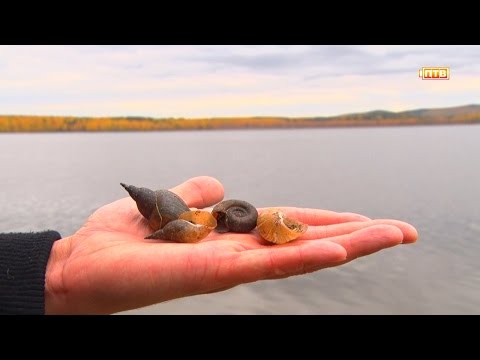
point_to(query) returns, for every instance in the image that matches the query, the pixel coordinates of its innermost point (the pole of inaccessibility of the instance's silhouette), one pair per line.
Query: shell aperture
(274, 226)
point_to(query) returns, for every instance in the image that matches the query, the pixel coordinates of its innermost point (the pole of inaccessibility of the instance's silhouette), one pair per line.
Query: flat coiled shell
(235, 215)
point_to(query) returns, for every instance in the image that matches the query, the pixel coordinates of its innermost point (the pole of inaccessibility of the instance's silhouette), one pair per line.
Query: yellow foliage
(19, 123)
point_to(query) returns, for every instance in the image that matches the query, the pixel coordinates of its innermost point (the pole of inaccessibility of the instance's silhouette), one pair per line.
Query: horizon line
(246, 116)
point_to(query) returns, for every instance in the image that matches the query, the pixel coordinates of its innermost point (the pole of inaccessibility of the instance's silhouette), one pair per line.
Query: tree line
(23, 123)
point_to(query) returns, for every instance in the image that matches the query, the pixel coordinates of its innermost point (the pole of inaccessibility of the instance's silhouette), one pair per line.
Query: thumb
(200, 191)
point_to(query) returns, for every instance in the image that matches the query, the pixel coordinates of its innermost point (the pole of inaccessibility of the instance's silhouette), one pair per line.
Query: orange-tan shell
(274, 226)
(190, 227)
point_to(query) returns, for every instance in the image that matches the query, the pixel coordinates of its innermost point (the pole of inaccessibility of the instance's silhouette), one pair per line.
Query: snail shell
(274, 226)
(158, 207)
(191, 227)
(235, 216)
(170, 216)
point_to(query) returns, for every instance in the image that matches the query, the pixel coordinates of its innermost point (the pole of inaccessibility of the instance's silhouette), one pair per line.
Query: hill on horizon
(423, 112)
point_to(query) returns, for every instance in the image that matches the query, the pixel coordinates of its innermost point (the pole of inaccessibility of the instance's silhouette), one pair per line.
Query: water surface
(428, 176)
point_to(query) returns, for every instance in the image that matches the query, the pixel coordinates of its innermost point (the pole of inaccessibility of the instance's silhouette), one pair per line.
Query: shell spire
(145, 199)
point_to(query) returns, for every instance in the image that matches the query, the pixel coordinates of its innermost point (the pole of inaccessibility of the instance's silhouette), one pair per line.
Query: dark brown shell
(235, 216)
(170, 206)
(145, 199)
(274, 226)
(191, 227)
(158, 207)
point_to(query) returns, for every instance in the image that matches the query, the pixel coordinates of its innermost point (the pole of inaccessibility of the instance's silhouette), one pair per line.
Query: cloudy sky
(209, 81)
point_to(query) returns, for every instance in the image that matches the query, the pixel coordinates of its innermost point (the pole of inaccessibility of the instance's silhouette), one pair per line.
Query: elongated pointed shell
(191, 227)
(274, 226)
(158, 207)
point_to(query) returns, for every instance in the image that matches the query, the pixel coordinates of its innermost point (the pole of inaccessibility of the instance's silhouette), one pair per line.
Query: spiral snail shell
(171, 219)
(235, 215)
(274, 226)
(169, 216)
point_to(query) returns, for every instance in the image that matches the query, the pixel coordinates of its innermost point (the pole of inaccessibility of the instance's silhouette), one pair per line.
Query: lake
(427, 176)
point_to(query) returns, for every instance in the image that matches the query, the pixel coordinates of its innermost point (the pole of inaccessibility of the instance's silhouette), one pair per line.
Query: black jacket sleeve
(23, 262)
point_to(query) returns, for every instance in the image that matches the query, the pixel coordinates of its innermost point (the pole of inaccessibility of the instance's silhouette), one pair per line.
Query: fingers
(369, 240)
(200, 191)
(409, 233)
(300, 257)
(320, 217)
(282, 261)
(360, 243)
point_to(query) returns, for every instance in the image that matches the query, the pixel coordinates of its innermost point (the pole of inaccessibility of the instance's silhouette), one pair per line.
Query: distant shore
(469, 114)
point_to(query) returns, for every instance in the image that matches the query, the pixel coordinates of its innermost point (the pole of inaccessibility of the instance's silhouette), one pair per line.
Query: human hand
(107, 266)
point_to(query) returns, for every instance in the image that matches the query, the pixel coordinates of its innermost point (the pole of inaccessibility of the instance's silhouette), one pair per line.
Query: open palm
(107, 266)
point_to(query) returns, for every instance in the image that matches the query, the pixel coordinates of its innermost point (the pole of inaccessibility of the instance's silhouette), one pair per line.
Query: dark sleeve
(23, 262)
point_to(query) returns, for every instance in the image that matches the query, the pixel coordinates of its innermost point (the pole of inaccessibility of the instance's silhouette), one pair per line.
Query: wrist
(55, 290)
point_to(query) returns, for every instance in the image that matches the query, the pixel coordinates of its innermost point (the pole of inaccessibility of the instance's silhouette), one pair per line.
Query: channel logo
(434, 73)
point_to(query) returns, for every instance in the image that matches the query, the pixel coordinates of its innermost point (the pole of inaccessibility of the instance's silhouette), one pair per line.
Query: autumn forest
(469, 114)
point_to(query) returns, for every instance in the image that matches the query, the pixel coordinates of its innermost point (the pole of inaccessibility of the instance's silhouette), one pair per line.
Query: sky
(232, 80)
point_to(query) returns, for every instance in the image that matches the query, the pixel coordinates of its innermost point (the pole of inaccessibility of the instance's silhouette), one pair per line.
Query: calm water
(428, 176)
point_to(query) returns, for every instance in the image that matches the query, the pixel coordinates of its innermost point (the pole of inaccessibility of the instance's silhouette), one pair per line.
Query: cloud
(317, 63)
(237, 80)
